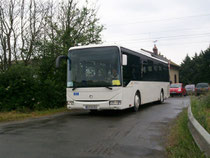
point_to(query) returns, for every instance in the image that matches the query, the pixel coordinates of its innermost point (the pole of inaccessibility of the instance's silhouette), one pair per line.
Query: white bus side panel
(149, 91)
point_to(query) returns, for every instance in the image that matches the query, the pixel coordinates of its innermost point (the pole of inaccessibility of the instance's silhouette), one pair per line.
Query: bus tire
(161, 97)
(137, 102)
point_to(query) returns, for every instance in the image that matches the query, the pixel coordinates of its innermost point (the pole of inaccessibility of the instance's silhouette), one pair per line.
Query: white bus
(113, 77)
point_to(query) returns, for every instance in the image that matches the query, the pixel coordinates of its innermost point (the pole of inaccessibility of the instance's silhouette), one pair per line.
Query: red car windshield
(175, 86)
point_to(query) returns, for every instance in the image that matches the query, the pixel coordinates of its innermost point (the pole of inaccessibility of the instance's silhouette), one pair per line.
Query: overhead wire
(157, 20)
(179, 38)
(164, 38)
(170, 30)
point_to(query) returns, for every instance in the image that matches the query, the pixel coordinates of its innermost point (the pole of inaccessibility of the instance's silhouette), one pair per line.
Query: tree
(205, 66)
(8, 38)
(32, 29)
(186, 70)
(37, 32)
(196, 69)
(68, 25)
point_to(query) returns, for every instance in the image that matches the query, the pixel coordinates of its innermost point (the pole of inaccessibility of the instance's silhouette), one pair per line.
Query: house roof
(174, 64)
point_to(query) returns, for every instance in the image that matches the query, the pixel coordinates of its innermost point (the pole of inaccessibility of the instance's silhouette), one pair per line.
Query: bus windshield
(94, 67)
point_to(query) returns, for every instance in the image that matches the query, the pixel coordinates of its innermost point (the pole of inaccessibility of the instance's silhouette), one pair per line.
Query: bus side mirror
(124, 59)
(59, 58)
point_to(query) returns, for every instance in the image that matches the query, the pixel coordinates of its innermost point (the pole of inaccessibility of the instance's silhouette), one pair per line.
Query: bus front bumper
(93, 105)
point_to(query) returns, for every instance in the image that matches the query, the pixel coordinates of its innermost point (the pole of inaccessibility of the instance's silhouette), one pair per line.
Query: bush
(52, 84)
(18, 88)
(22, 89)
(200, 109)
(50, 95)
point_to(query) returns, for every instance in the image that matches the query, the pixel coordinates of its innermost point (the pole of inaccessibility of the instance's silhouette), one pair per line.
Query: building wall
(174, 72)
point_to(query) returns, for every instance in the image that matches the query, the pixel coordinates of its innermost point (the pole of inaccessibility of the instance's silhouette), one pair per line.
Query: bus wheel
(161, 97)
(137, 102)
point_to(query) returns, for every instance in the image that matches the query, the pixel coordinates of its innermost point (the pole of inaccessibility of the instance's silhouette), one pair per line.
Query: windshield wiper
(110, 88)
(74, 88)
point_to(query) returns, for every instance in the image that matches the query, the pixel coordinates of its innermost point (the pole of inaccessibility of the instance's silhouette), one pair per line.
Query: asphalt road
(79, 134)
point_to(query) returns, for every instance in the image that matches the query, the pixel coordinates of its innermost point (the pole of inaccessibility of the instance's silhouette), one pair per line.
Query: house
(173, 67)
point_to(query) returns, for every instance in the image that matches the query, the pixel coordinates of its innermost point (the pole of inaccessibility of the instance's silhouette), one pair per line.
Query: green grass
(180, 142)
(14, 115)
(201, 110)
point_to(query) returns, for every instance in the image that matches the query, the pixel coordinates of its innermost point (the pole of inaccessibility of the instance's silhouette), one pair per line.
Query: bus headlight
(179, 90)
(70, 102)
(115, 102)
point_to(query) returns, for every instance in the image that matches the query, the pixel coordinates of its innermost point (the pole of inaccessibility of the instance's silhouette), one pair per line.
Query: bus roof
(93, 46)
(115, 45)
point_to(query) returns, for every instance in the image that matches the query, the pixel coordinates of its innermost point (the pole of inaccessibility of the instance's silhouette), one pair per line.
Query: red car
(177, 89)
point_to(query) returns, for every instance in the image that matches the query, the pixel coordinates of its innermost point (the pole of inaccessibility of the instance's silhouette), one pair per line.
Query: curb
(200, 135)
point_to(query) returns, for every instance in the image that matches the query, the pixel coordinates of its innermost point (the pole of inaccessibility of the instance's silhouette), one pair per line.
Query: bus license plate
(91, 106)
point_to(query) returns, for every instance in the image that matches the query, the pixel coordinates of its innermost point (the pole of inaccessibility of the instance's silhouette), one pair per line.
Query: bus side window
(165, 74)
(150, 73)
(144, 67)
(136, 68)
(132, 71)
(160, 71)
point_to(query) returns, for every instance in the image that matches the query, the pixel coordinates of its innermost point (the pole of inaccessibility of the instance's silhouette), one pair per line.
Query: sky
(177, 27)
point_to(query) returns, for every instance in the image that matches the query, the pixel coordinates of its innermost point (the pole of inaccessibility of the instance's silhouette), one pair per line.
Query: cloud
(137, 23)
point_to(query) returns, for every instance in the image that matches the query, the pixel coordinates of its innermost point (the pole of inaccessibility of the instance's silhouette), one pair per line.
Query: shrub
(200, 109)
(23, 88)
(18, 88)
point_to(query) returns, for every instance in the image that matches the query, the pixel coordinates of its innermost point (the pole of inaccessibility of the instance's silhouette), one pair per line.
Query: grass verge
(201, 110)
(180, 141)
(14, 115)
